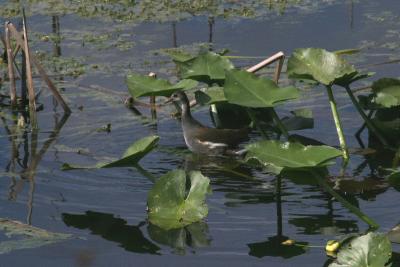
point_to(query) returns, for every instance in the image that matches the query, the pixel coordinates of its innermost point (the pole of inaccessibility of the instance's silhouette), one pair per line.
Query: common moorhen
(206, 140)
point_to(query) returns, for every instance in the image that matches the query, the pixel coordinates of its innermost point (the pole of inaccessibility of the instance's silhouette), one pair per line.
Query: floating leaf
(370, 250)
(277, 155)
(394, 180)
(386, 92)
(205, 67)
(179, 55)
(246, 89)
(144, 85)
(169, 205)
(33, 237)
(131, 156)
(394, 234)
(322, 66)
(210, 96)
(302, 119)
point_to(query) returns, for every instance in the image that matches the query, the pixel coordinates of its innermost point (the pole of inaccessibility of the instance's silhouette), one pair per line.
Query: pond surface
(88, 57)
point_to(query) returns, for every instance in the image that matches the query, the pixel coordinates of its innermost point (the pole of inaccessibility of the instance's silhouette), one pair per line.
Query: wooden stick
(278, 68)
(31, 90)
(42, 72)
(10, 60)
(266, 62)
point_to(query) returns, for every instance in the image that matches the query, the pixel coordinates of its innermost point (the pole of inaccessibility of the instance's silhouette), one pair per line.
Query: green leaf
(246, 89)
(394, 180)
(210, 96)
(302, 119)
(28, 236)
(206, 67)
(386, 92)
(132, 155)
(370, 250)
(322, 66)
(276, 155)
(169, 205)
(179, 55)
(144, 85)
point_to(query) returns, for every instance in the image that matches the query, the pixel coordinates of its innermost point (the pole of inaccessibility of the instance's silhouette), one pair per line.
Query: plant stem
(256, 122)
(338, 124)
(368, 122)
(278, 121)
(356, 211)
(145, 173)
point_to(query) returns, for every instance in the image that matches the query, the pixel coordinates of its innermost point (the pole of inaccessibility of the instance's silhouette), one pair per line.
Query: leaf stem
(338, 124)
(279, 123)
(256, 122)
(368, 122)
(356, 211)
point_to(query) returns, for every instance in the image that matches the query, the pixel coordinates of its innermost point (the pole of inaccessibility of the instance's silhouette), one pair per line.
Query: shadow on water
(275, 246)
(131, 237)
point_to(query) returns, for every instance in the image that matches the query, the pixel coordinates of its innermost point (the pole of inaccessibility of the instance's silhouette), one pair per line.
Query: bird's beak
(169, 100)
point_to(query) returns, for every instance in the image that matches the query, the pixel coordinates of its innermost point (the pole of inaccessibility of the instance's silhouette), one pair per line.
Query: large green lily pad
(132, 155)
(28, 236)
(322, 66)
(172, 206)
(206, 67)
(144, 85)
(386, 92)
(276, 155)
(370, 250)
(246, 89)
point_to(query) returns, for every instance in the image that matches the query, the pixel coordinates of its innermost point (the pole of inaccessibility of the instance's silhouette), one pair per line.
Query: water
(105, 210)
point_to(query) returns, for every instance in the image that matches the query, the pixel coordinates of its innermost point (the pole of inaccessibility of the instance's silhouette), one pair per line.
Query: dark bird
(206, 140)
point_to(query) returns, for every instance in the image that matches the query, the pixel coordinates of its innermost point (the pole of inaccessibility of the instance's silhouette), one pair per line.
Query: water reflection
(275, 246)
(25, 161)
(131, 237)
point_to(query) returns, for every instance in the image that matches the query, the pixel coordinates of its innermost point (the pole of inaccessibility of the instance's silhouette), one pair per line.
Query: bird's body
(206, 140)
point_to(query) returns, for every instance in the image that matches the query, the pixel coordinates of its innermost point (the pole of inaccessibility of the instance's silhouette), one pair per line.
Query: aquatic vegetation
(372, 249)
(172, 205)
(130, 158)
(28, 236)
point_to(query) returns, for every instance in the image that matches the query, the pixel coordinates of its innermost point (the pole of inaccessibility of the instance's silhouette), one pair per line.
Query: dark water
(105, 210)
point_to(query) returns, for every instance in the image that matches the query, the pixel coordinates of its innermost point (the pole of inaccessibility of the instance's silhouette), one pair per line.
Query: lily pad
(322, 66)
(131, 156)
(206, 67)
(32, 237)
(210, 96)
(370, 250)
(246, 89)
(386, 92)
(276, 155)
(144, 85)
(172, 206)
(394, 180)
(302, 119)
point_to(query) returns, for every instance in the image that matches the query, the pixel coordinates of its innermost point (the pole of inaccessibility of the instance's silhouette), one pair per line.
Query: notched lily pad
(131, 156)
(32, 237)
(206, 67)
(246, 89)
(276, 155)
(322, 66)
(386, 92)
(171, 205)
(302, 119)
(144, 85)
(370, 250)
